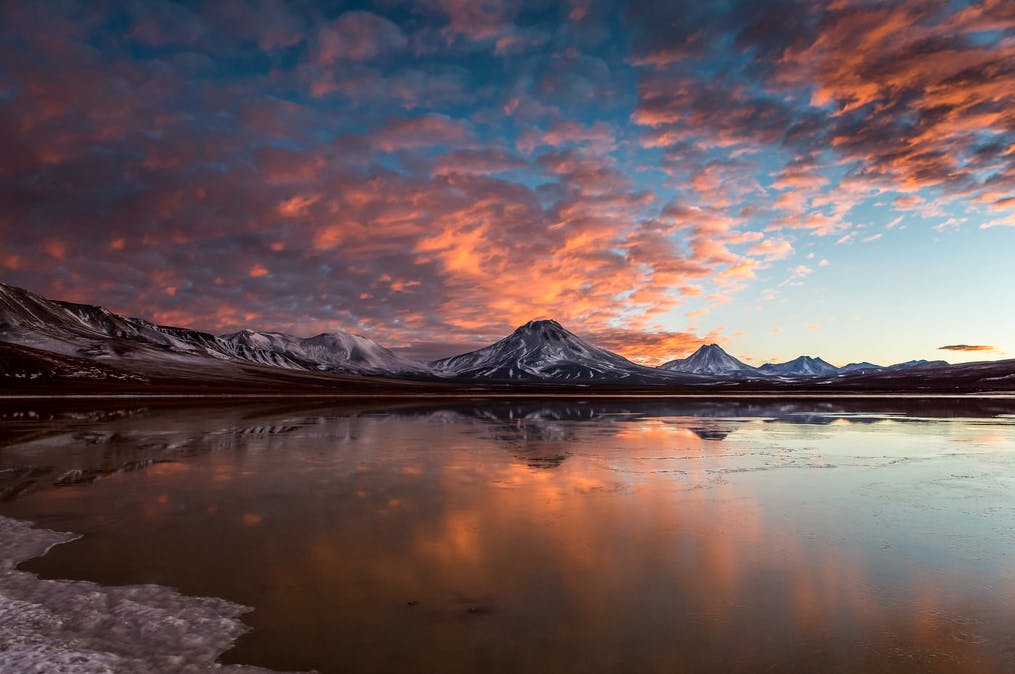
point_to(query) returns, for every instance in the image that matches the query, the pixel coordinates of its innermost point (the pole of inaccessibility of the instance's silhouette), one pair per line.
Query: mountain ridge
(538, 352)
(801, 366)
(91, 331)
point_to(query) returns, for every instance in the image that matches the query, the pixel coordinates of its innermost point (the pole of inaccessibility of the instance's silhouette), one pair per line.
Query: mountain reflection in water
(562, 536)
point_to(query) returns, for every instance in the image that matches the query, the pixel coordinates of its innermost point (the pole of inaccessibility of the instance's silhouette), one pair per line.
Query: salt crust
(80, 627)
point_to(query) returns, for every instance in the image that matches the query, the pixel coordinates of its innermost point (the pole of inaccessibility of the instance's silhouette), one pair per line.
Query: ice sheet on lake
(83, 628)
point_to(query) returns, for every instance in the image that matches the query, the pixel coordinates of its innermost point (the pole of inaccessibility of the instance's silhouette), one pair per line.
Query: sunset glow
(787, 177)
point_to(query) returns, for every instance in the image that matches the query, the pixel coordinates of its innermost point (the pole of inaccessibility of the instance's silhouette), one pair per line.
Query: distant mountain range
(712, 360)
(42, 339)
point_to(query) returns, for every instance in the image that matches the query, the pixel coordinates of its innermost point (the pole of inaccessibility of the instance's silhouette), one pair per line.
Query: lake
(546, 536)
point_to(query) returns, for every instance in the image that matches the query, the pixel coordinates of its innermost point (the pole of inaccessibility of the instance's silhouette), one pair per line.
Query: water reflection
(560, 536)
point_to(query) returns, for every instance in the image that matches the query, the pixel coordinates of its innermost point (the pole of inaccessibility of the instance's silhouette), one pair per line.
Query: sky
(832, 178)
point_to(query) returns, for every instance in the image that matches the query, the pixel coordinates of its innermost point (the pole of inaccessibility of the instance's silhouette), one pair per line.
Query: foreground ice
(83, 628)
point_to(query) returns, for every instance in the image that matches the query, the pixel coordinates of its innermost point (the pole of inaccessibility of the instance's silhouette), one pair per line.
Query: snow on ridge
(801, 366)
(83, 330)
(539, 350)
(709, 359)
(330, 351)
(543, 350)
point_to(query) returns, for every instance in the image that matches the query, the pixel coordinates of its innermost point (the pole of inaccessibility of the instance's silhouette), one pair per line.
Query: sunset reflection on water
(563, 538)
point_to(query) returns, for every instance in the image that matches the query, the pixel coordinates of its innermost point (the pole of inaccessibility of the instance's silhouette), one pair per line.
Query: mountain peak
(541, 324)
(801, 366)
(545, 350)
(710, 359)
(544, 330)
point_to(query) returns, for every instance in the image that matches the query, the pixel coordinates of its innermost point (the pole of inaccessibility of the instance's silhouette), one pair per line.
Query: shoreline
(83, 627)
(506, 395)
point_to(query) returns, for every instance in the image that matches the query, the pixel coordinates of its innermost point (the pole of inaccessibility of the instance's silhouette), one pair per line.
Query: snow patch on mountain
(540, 350)
(860, 367)
(87, 331)
(710, 359)
(332, 351)
(910, 364)
(544, 350)
(802, 366)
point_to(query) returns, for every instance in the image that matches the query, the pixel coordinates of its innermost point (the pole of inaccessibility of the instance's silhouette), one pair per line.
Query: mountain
(67, 346)
(334, 351)
(860, 367)
(84, 330)
(545, 351)
(935, 377)
(710, 360)
(910, 364)
(25, 364)
(87, 331)
(802, 366)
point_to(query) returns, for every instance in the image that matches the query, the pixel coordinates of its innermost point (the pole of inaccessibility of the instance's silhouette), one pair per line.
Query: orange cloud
(298, 204)
(773, 249)
(55, 248)
(967, 347)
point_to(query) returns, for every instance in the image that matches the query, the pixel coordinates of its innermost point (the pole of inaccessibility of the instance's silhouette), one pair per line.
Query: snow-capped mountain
(48, 340)
(82, 330)
(860, 367)
(710, 359)
(545, 351)
(802, 366)
(332, 351)
(909, 364)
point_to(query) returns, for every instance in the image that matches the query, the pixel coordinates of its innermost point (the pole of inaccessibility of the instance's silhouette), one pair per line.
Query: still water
(566, 536)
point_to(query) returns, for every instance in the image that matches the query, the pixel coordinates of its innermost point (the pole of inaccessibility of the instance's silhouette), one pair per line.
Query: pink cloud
(422, 131)
(358, 36)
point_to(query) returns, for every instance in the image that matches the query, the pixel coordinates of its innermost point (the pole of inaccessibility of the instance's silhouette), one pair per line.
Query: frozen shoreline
(83, 628)
(507, 395)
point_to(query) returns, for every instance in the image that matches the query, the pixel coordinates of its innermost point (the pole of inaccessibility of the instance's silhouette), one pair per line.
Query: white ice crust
(79, 627)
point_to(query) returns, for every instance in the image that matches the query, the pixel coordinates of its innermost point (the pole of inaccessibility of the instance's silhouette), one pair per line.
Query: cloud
(650, 347)
(298, 204)
(800, 272)
(272, 24)
(561, 133)
(967, 347)
(358, 36)
(772, 249)
(486, 160)
(474, 20)
(903, 95)
(421, 131)
(457, 168)
(259, 270)
(159, 23)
